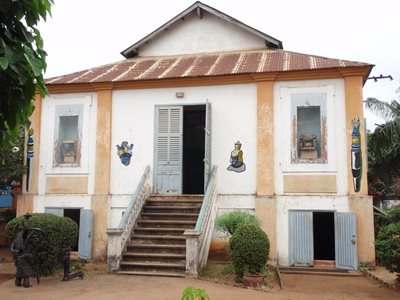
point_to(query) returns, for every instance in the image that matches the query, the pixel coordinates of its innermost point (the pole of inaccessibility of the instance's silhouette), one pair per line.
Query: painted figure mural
(356, 159)
(236, 160)
(125, 153)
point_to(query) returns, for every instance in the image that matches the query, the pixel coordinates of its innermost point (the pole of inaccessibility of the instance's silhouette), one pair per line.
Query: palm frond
(385, 110)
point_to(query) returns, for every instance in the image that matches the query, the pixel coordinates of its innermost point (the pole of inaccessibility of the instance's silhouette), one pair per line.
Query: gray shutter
(85, 234)
(301, 241)
(345, 241)
(207, 146)
(54, 211)
(168, 155)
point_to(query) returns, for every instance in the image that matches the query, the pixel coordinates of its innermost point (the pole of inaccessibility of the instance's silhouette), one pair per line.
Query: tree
(384, 147)
(22, 62)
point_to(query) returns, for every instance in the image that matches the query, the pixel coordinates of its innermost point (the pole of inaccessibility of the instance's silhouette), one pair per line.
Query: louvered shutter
(207, 143)
(301, 240)
(168, 178)
(345, 241)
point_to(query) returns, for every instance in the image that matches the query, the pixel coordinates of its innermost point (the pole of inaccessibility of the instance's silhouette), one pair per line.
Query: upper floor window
(309, 136)
(68, 135)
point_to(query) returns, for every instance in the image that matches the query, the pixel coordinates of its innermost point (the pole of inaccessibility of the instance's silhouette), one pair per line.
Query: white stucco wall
(194, 35)
(336, 132)
(88, 139)
(61, 201)
(233, 118)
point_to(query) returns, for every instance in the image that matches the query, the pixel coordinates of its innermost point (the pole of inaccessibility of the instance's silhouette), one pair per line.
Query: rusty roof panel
(65, 78)
(162, 66)
(225, 64)
(180, 68)
(202, 65)
(241, 62)
(249, 62)
(298, 61)
(114, 72)
(136, 70)
(92, 74)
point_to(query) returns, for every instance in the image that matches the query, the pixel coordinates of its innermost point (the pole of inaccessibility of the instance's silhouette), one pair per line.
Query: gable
(201, 29)
(201, 35)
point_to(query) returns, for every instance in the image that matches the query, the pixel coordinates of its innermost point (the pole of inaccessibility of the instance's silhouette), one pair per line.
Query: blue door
(346, 241)
(168, 150)
(301, 240)
(85, 234)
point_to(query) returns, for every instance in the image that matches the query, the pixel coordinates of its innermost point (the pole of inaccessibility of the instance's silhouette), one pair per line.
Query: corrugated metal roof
(203, 65)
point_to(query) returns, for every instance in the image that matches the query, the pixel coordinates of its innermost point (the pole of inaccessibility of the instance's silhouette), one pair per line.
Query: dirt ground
(99, 285)
(107, 286)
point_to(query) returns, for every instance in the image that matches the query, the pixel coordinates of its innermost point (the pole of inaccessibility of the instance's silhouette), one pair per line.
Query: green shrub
(249, 248)
(192, 293)
(230, 222)
(392, 216)
(387, 245)
(49, 246)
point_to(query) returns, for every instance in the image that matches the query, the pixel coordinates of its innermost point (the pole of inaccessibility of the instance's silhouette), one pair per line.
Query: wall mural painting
(356, 159)
(29, 159)
(236, 160)
(125, 152)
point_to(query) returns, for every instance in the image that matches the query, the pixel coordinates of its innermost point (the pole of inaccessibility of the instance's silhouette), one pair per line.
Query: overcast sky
(87, 33)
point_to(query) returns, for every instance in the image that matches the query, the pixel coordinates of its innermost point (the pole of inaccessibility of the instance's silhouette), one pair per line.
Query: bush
(387, 245)
(48, 247)
(249, 248)
(230, 222)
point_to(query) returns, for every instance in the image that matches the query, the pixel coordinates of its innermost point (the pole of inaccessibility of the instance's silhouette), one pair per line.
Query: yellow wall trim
(265, 138)
(354, 108)
(66, 185)
(309, 184)
(103, 142)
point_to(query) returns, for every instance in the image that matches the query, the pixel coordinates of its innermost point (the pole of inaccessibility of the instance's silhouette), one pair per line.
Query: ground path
(109, 286)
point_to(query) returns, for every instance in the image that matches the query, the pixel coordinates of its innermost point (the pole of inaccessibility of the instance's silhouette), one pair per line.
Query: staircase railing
(119, 237)
(198, 240)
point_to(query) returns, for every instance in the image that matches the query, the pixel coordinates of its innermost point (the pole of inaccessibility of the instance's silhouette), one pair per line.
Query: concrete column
(100, 199)
(362, 207)
(266, 213)
(354, 108)
(265, 137)
(114, 249)
(192, 252)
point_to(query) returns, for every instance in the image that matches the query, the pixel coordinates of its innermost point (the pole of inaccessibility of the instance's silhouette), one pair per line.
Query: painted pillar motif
(356, 158)
(29, 159)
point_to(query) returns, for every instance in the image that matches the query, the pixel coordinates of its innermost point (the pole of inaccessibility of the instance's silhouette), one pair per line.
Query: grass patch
(224, 273)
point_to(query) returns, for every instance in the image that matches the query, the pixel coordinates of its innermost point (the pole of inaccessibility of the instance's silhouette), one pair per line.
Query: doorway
(319, 235)
(182, 154)
(324, 235)
(74, 214)
(193, 149)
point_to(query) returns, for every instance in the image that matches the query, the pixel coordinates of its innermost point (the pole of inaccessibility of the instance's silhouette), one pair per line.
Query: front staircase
(157, 245)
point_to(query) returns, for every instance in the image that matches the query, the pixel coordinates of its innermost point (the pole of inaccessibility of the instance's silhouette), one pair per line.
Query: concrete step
(156, 248)
(167, 223)
(158, 239)
(159, 231)
(153, 266)
(318, 271)
(157, 257)
(177, 198)
(169, 216)
(152, 273)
